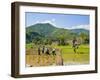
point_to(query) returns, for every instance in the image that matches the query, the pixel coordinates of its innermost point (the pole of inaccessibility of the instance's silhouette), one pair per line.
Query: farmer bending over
(47, 51)
(43, 49)
(54, 51)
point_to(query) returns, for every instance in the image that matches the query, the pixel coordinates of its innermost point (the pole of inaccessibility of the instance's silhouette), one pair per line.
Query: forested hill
(47, 30)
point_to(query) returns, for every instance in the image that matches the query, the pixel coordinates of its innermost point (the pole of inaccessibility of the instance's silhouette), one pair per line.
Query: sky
(68, 21)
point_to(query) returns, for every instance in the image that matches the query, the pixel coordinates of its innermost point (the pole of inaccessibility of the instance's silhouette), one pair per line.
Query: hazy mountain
(78, 31)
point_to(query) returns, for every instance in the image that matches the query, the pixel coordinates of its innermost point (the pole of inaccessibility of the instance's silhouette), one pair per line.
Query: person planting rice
(38, 50)
(43, 49)
(54, 51)
(47, 51)
(75, 44)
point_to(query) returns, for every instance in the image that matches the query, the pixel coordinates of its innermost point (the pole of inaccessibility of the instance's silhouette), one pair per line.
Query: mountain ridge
(47, 30)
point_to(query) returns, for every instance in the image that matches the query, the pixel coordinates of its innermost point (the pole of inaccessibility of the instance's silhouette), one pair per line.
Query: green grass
(82, 55)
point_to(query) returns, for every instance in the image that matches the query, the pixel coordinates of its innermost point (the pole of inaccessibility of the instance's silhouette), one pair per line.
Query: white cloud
(46, 21)
(87, 27)
(52, 21)
(37, 22)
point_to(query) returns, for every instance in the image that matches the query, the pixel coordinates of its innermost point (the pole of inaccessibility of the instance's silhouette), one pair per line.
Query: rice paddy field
(67, 54)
